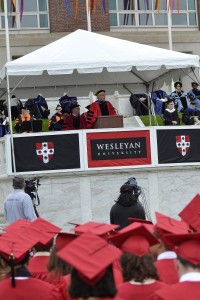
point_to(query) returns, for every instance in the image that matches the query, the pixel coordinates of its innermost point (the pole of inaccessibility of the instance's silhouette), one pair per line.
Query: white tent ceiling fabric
(84, 57)
(89, 52)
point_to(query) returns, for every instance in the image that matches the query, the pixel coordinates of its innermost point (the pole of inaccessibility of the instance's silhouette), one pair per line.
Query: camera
(31, 189)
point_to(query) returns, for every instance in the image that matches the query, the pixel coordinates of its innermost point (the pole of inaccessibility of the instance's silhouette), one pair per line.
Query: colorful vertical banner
(21, 9)
(67, 7)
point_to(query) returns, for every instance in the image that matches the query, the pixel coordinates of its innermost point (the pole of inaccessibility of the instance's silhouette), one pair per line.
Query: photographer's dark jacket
(119, 214)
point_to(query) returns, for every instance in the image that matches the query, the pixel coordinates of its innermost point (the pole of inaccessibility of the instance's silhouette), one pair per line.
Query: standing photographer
(18, 205)
(127, 206)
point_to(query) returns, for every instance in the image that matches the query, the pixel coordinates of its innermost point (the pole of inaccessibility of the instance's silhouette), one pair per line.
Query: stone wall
(83, 196)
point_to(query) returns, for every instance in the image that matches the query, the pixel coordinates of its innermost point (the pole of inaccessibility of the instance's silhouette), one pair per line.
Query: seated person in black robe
(170, 115)
(191, 115)
(139, 103)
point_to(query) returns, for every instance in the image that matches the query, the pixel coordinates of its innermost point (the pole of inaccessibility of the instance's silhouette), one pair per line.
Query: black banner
(120, 148)
(50, 152)
(178, 146)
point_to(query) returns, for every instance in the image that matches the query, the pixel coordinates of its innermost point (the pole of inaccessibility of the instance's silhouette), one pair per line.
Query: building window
(137, 13)
(35, 15)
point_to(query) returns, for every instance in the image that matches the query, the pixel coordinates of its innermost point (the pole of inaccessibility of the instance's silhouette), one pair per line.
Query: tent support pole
(10, 123)
(139, 77)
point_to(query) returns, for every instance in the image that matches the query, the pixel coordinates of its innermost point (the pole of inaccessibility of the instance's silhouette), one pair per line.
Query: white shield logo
(45, 151)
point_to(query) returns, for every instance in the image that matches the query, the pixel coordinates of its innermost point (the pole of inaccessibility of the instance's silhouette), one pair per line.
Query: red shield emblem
(45, 151)
(183, 144)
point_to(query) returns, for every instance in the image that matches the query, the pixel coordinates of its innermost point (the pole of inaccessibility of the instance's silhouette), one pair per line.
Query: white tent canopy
(84, 58)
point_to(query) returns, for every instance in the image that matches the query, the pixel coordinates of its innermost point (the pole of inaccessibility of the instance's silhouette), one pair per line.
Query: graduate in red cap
(14, 256)
(38, 263)
(100, 107)
(105, 231)
(164, 250)
(190, 214)
(92, 275)
(138, 267)
(188, 266)
(58, 269)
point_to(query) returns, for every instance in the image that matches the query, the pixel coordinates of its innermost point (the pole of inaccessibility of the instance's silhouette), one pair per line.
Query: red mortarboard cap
(21, 223)
(64, 238)
(133, 225)
(47, 229)
(188, 246)
(132, 220)
(136, 241)
(170, 225)
(191, 213)
(90, 255)
(16, 244)
(95, 228)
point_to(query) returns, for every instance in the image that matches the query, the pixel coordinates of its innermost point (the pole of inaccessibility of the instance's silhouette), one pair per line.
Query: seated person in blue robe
(180, 97)
(194, 94)
(191, 115)
(159, 99)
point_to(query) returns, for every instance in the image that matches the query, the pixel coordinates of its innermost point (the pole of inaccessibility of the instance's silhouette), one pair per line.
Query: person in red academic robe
(100, 107)
(74, 120)
(188, 266)
(18, 284)
(38, 263)
(164, 250)
(92, 274)
(139, 272)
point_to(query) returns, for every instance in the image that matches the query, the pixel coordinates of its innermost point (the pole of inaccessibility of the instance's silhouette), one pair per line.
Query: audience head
(75, 109)
(92, 274)
(194, 85)
(178, 85)
(170, 104)
(18, 182)
(192, 105)
(101, 94)
(59, 109)
(127, 197)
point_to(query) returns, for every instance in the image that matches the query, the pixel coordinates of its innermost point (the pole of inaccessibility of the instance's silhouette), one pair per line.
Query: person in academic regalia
(194, 94)
(188, 266)
(164, 251)
(14, 257)
(139, 272)
(104, 231)
(170, 115)
(159, 99)
(58, 269)
(191, 115)
(100, 107)
(38, 263)
(92, 273)
(54, 124)
(179, 97)
(74, 121)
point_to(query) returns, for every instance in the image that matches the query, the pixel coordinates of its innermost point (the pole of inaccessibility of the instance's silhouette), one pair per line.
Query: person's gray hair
(18, 182)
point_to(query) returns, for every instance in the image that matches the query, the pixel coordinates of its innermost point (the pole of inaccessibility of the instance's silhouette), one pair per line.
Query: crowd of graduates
(95, 260)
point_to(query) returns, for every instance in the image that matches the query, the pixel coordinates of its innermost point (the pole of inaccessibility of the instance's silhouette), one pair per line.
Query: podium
(108, 122)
